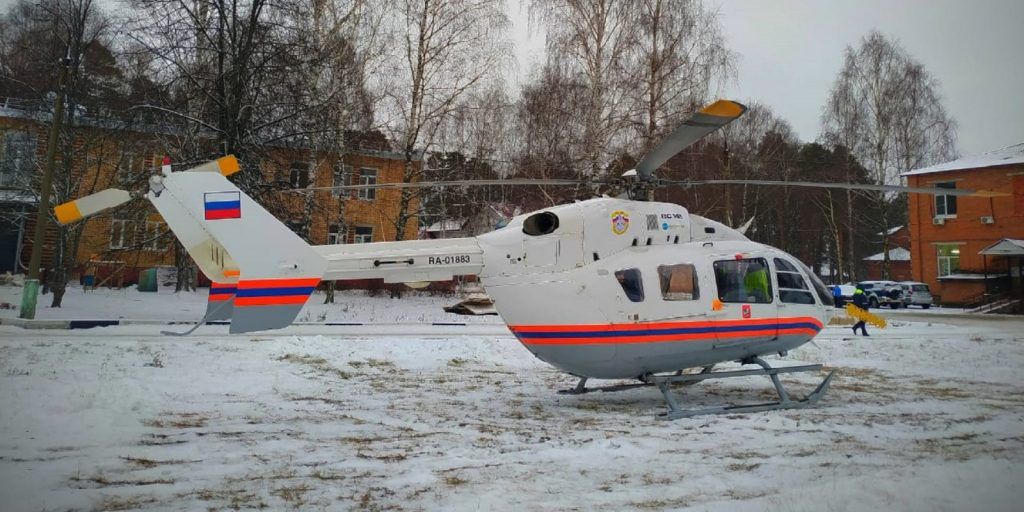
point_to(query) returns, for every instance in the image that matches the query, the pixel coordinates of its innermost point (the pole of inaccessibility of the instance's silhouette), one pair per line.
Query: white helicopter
(607, 288)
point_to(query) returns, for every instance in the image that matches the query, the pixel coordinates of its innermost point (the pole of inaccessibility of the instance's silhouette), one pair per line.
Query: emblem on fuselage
(620, 222)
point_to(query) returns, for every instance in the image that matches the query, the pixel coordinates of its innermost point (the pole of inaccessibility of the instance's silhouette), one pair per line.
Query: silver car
(916, 294)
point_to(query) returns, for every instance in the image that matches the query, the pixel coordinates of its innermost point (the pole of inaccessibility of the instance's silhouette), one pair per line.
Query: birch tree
(886, 109)
(445, 50)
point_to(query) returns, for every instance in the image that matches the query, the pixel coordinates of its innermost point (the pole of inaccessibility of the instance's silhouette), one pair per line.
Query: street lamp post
(31, 290)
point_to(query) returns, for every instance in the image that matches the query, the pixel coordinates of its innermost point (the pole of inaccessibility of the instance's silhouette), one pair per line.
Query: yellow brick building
(123, 242)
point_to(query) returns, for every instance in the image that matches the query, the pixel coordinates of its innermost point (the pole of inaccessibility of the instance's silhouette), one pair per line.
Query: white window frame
(121, 233)
(154, 242)
(342, 178)
(368, 194)
(948, 260)
(944, 200)
(363, 238)
(335, 236)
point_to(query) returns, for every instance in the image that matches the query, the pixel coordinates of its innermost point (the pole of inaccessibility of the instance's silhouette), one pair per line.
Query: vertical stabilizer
(230, 234)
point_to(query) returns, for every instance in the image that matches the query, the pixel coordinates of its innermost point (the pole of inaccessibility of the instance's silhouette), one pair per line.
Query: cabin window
(743, 280)
(945, 206)
(631, 283)
(678, 282)
(793, 288)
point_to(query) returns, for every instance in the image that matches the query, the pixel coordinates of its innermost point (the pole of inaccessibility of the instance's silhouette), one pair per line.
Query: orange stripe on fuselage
(278, 283)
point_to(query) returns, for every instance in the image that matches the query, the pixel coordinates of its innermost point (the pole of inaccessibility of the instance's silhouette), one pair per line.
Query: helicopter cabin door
(749, 313)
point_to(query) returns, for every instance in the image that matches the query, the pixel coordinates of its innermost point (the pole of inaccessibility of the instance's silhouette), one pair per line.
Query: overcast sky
(790, 51)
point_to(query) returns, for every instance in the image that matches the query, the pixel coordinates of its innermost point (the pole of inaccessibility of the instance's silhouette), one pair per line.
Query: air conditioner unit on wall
(988, 219)
(938, 221)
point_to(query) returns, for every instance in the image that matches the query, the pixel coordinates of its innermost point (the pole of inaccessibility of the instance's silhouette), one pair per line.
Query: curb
(89, 324)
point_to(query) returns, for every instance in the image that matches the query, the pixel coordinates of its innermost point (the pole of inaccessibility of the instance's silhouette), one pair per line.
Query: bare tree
(679, 59)
(884, 106)
(445, 50)
(591, 41)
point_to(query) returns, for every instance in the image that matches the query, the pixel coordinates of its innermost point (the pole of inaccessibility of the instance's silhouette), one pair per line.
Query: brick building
(131, 239)
(949, 233)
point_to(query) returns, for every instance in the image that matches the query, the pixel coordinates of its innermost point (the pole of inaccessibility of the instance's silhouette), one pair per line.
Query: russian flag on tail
(222, 205)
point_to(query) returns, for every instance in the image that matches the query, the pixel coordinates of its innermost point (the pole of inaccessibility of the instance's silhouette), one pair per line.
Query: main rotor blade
(91, 204)
(848, 186)
(698, 126)
(452, 183)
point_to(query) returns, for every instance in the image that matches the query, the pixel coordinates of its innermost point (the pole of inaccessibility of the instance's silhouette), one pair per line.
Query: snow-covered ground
(131, 304)
(400, 417)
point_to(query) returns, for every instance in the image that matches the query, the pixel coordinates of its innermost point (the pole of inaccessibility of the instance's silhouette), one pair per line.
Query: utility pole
(31, 290)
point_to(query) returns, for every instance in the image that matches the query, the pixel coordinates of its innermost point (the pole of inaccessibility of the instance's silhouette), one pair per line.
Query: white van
(916, 294)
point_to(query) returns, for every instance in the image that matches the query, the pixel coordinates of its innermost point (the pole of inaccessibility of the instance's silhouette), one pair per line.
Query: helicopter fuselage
(612, 288)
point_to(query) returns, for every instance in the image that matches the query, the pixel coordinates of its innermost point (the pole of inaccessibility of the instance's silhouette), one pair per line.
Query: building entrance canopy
(1004, 247)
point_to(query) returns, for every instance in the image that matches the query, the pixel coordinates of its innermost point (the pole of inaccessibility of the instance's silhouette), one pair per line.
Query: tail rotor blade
(91, 204)
(225, 166)
(699, 125)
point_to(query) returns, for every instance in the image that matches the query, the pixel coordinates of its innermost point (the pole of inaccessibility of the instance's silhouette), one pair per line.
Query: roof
(1006, 156)
(897, 254)
(891, 231)
(1005, 247)
(970, 277)
(446, 225)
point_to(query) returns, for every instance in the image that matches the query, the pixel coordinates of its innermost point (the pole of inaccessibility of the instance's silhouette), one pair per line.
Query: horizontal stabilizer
(91, 204)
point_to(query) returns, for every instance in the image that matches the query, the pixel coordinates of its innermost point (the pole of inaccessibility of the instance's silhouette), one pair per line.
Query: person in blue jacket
(860, 299)
(837, 296)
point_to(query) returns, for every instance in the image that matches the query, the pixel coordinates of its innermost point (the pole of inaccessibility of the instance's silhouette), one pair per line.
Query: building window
(298, 176)
(744, 280)
(364, 235)
(121, 231)
(949, 258)
(17, 158)
(367, 176)
(335, 235)
(945, 206)
(678, 282)
(342, 178)
(154, 236)
(632, 283)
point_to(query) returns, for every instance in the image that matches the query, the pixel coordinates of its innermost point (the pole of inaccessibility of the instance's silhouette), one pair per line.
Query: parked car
(916, 294)
(845, 291)
(883, 293)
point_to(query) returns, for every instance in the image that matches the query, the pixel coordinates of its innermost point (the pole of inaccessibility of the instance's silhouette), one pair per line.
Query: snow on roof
(891, 231)
(897, 254)
(1006, 156)
(1005, 247)
(446, 225)
(970, 277)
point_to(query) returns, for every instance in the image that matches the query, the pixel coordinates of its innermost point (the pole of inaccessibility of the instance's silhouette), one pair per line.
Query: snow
(1006, 156)
(920, 416)
(897, 254)
(131, 304)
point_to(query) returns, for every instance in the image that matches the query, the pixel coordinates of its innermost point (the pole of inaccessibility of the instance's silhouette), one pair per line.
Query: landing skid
(675, 412)
(785, 402)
